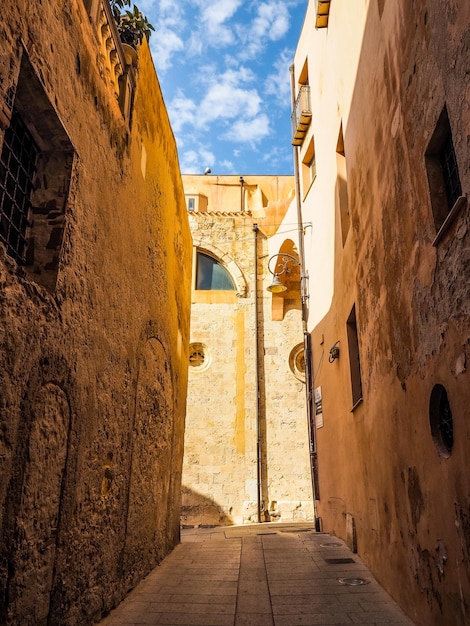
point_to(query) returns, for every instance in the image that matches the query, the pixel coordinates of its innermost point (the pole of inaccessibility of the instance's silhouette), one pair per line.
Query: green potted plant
(132, 25)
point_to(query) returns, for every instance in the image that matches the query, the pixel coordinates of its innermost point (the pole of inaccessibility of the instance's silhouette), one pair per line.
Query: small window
(199, 357)
(440, 418)
(442, 170)
(309, 167)
(212, 275)
(297, 362)
(303, 78)
(191, 203)
(342, 186)
(354, 360)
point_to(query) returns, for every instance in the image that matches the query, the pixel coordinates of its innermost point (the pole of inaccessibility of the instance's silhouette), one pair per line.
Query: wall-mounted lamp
(276, 286)
(282, 267)
(334, 352)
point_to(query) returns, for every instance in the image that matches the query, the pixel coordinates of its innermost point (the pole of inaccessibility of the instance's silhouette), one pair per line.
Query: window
(35, 170)
(17, 169)
(443, 172)
(199, 357)
(196, 203)
(354, 360)
(342, 186)
(309, 167)
(441, 422)
(191, 203)
(297, 362)
(212, 275)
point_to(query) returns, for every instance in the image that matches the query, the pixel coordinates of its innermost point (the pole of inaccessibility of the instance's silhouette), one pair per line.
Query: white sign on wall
(317, 396)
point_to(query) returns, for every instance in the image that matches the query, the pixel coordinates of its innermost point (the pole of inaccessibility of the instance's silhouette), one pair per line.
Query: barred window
(442, 170)
(450, 172)
(36, 163)
(17, 168)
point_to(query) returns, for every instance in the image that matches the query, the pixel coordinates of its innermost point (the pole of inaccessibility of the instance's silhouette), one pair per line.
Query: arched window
(212, 275)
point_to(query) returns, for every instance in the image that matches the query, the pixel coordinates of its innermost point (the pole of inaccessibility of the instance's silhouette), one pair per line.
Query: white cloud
(182, 111)
(270, 24)
(196, 160)
(189, 162)
(249, 131)
(214, 16)
(227, 97)
(272, 21)
(277, 83)
(163, 47)
(167, 17)
(218, 11)
(226, 165)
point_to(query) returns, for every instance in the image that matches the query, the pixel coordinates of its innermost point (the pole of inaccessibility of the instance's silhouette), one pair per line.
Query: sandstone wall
(93, 354)
(220, 479)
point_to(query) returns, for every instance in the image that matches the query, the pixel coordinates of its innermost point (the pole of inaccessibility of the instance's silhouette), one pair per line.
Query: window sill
(309, 187)
(460, 203)
(360, 401)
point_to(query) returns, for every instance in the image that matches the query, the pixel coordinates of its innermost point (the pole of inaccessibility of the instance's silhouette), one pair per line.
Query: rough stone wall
(383, 483)
(220, 462)
(93, 364)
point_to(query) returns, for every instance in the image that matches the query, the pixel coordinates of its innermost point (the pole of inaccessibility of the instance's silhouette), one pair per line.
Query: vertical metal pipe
(257, 407)
(307, 340)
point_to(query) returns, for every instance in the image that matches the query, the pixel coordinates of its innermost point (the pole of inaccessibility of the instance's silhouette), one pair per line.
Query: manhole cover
(354, 582)
(331, 545)
(339, 561)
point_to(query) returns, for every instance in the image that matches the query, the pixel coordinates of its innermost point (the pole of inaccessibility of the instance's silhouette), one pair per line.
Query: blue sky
(223, 66)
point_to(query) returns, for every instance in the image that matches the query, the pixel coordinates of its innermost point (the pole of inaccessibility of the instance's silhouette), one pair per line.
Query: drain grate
(331, 545)
(354, 582)
(339, 561)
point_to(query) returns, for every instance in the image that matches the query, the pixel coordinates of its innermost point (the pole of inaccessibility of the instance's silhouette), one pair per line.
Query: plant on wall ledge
(132, 25)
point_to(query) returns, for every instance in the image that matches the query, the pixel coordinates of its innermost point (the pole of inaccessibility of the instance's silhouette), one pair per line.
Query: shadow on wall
(199, 510)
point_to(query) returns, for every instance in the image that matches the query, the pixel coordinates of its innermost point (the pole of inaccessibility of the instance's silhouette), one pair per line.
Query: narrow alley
(258, 575)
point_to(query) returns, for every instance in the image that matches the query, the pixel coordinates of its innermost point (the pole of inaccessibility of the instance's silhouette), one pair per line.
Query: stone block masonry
(238, 379)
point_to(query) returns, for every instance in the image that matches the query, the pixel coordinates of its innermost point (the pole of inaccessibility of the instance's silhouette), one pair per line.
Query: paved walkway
(260, 575)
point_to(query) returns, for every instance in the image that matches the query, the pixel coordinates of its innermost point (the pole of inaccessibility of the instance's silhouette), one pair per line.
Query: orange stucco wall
(384, 71)
(94, 364)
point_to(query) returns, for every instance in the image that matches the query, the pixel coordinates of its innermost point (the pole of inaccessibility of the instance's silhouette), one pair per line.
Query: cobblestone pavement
(259, 575)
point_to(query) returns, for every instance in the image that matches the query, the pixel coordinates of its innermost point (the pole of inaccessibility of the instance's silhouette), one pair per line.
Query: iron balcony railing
(301, 115)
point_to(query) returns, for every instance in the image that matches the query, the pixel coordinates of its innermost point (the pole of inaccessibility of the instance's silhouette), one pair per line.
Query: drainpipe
(307, 339)
(258, 424)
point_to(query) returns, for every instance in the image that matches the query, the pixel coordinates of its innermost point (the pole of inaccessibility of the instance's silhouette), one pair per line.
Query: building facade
(95, 257)
(381, 121)
(246, 439)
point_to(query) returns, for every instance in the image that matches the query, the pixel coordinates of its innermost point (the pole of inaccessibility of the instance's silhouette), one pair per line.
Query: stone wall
(94, 322)
(220, 471)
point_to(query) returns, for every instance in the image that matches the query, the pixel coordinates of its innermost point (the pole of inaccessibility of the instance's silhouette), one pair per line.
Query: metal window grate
(450, 172)
(17, 167)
